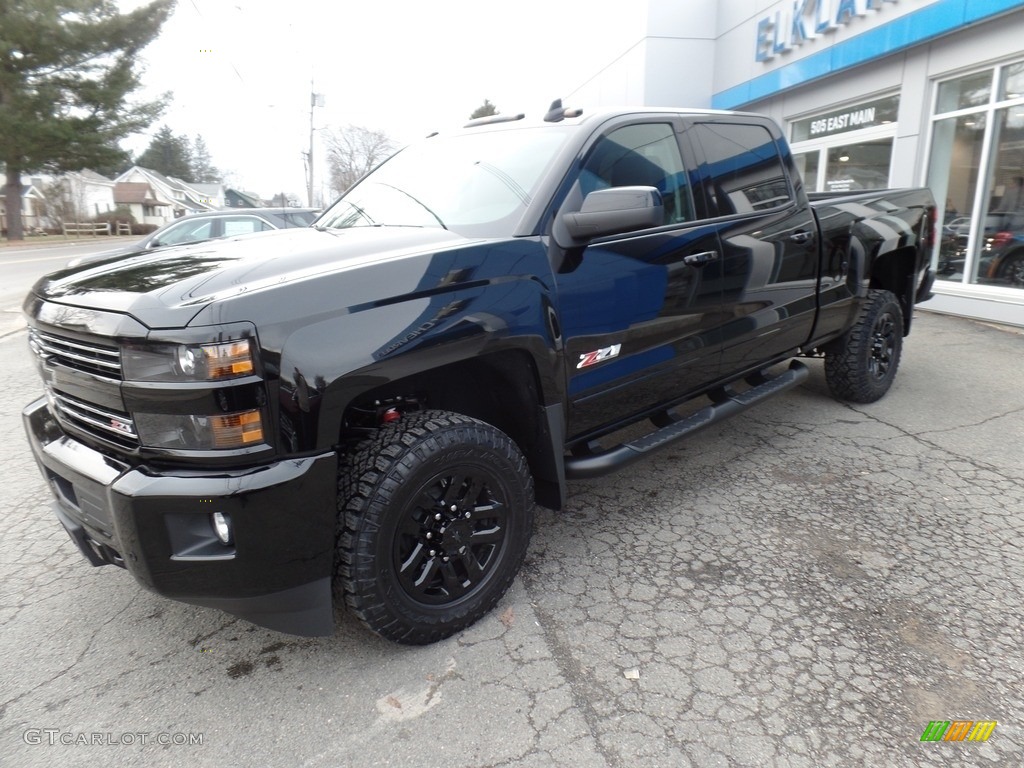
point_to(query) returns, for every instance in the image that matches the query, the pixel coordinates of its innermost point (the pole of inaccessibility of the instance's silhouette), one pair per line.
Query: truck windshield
(476, 184)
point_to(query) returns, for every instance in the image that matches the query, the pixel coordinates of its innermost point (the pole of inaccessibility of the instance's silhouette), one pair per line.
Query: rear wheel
(435, 515)
(861, 366)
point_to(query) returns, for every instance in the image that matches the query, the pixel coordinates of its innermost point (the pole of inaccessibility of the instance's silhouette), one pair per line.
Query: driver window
(187, 232)
(646, 155)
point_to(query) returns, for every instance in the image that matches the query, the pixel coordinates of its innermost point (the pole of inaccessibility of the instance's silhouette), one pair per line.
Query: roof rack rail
(494, 119)
(557, 113)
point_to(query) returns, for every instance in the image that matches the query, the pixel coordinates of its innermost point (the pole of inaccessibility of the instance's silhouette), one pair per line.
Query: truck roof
(574, 116)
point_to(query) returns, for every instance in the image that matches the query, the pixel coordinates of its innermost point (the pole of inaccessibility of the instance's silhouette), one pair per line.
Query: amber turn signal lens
(226, 360)
(236, 430)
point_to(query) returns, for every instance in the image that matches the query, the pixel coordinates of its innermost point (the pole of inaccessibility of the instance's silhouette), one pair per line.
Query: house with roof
(33, 205)
(82, 196)
(236, 198)
(212, 194)
(178, 196)
(144, 204)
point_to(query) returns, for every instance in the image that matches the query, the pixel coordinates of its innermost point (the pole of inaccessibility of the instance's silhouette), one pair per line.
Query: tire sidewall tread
(847, 362)
(376, 478)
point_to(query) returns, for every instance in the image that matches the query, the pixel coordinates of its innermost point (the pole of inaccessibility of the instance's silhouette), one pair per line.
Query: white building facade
(872, 94)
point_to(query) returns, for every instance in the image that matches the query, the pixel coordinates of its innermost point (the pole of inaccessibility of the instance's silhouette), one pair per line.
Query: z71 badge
(598, 355)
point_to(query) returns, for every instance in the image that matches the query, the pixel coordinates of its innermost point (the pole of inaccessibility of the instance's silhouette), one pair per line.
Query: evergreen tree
(169, 154)
(484, 110)
(67, 68)
(203, 169)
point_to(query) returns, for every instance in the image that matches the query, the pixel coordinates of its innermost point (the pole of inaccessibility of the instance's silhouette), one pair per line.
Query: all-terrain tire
(435, 513)
(861, 366)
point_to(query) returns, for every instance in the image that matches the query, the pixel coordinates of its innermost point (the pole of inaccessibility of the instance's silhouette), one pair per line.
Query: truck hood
(168, 288)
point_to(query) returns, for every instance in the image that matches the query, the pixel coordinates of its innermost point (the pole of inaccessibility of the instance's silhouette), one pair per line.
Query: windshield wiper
(418, 202)
(507, 180)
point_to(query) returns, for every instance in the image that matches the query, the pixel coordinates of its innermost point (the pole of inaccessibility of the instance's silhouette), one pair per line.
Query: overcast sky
(240, 70)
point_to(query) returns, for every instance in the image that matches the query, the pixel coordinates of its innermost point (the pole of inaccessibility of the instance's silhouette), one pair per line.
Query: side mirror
(615, 210)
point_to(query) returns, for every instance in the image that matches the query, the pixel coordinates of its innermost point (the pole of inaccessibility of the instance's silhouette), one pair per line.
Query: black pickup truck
(365, 412)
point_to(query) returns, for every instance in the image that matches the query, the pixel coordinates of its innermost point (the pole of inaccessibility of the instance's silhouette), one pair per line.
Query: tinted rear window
(743, 168)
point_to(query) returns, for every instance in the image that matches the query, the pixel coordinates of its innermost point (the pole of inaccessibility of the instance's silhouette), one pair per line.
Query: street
(21, 265)
(809, 585)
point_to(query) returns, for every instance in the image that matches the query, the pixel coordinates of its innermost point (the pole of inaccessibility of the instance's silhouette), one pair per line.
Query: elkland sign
(801, 21)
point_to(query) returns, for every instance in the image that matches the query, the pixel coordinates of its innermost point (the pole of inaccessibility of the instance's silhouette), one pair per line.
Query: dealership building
(871, 94)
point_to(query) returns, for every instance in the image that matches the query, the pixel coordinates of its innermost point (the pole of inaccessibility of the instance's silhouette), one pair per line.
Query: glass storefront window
(846, 149)
(953, 176)
(807, 164)
(864, 165)
(964, 92)
(1000, 243)
(1011, 84)
(977, 167)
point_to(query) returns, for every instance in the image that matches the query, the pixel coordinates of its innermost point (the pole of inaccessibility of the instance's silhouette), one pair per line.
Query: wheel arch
(505, 389)
(896, 271)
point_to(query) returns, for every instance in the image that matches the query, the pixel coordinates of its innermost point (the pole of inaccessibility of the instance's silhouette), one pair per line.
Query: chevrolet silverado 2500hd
(366, 411)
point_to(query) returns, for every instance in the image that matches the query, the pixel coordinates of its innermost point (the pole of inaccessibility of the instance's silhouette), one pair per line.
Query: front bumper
(276, 572)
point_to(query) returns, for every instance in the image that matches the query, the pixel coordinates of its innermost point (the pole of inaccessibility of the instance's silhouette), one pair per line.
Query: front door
(640, 311)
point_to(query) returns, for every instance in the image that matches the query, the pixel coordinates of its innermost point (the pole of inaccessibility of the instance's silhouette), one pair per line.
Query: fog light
(221, 526)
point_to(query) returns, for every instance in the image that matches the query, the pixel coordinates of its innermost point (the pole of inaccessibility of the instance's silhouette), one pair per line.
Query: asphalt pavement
(811, 584)
(22, 263)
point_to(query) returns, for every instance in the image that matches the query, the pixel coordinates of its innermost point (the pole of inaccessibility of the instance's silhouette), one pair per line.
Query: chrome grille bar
(87, 416)
(93, 358)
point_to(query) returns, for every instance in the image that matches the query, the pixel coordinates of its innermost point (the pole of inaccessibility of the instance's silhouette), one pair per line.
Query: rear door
(640, 311)
(768, 236)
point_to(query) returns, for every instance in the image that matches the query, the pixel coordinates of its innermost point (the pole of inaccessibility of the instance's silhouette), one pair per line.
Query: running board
(725, 403)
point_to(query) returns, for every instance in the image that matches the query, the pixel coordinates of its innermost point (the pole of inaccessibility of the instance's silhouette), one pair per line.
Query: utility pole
(315, 100)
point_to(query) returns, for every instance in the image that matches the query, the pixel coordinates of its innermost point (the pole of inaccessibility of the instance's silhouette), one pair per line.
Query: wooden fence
(90, 228)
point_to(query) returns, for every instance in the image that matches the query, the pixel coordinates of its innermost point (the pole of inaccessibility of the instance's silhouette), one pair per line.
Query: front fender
(464, 306)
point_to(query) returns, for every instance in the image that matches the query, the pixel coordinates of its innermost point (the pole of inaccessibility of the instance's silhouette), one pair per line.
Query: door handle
(700, 259)
(800, 236)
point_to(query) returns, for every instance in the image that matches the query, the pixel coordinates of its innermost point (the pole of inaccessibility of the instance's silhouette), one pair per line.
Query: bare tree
(352, 151)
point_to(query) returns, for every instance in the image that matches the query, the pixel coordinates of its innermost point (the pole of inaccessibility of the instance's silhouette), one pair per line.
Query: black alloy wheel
(435, 513)
(450, 537)
(861, 365)
(885, 339)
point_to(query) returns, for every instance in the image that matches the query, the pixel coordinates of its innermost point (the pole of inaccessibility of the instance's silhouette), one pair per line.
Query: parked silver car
(198, 227)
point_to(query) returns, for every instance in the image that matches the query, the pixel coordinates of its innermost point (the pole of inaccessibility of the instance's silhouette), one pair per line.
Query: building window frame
(819, 147)
(985, 187)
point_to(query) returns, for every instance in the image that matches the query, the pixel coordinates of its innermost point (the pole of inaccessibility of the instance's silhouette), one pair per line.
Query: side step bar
(725, 403)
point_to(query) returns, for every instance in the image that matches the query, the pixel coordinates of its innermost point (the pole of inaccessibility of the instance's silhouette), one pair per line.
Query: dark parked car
(211, 225)
(1002, 255)
(1001, 260)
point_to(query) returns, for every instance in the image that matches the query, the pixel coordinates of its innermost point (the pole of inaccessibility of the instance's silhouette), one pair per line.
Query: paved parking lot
(809, 585)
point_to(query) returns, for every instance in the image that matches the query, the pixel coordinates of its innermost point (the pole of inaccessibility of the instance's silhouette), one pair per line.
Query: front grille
(86, 356)
(112, 426)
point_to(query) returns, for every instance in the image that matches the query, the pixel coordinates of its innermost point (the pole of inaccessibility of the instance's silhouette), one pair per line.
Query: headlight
(188, 362)
(200, 433)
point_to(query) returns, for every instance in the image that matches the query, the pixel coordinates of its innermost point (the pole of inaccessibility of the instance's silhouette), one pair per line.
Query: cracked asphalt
(808, 585)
